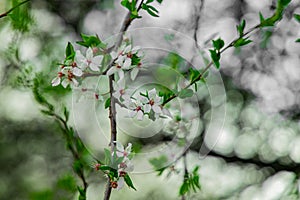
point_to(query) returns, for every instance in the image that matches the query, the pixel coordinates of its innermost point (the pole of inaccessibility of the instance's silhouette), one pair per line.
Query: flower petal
(135, 49)
(156, 109)
(147, 108)
(111, 71)
(127, 63)
(132, 113)
(77, 72)
(114, 55)
(121, 183)
(55, 81)
(152, 93)
(94, 67)
(65, 83)
(89, 53)
(75, 82)
(140, 115)
(97, 60)
(134, 73)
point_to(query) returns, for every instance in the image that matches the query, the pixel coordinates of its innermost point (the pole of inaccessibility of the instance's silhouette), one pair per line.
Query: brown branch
(10, 10)
(112, 108)
(198, 12)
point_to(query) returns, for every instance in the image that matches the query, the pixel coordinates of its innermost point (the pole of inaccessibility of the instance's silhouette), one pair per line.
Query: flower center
(151, 102)
(70, 75)
(122, 173)
(122, 92)
(138, 108)
(114, 184)
(74, 64)
(123, 165)
(60, 74)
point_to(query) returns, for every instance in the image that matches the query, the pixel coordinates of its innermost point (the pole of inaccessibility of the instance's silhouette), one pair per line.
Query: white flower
(123, 61)
(154, 102)
(134, 72)
(136, 109)
(117, 68)
(69, 74)
(121, 183)
(121, 151)
(89, 60)
(120, 92)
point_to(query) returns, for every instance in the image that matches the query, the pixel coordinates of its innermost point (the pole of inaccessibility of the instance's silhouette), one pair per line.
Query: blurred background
(257, 153)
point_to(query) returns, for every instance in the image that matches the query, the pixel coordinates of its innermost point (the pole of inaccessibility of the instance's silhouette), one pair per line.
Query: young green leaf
(91, 41)
(107, 157)
(218, 44)
(240, 28)
(150, 9)
(298, 40)
(297, 17)
(241, 42)
(70, 53)
(185, 93)
(107, 103)
(215, 57)
(184, 188)
(159, 164)
(128, 181)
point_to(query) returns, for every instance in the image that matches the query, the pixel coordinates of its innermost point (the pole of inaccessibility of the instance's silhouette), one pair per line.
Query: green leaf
(159, 1)
(151, 10)
(184, 188)
(107, 157)
(82, 194)
(241, 42)
(185, 93)
(67, 182)
(240, 28)
(70, 53)
(66, 113)
(298, 40)
(149, 1)
(159, 163)
(218, 44)
(215, 57)
(107, 103)
(194, 74)
(91, 41)
(20, 17)
(128, 181)
(297, 17)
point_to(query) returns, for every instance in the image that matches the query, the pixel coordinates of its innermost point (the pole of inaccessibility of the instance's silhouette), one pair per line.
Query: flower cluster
(127, 58)
(124, 167)
(74, 67)
(149, 104)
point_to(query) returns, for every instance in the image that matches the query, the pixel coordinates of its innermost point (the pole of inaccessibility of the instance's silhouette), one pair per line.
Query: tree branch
(10, 10)
(112, 108)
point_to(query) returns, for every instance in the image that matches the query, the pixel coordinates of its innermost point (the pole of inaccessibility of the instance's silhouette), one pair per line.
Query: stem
(10, 10)
(186, 173)
(65, 129)
(112, 108)
(210, 64)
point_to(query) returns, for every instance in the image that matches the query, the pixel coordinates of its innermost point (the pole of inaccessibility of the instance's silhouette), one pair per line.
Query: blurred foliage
(34, 161)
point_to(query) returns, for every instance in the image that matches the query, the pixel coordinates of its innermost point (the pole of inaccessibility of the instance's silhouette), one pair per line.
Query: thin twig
(231, 44)
(10, 10)
(65, 129)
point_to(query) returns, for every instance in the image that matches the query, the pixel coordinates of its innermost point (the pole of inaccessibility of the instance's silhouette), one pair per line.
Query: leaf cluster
(190, 182)
(215, 53)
